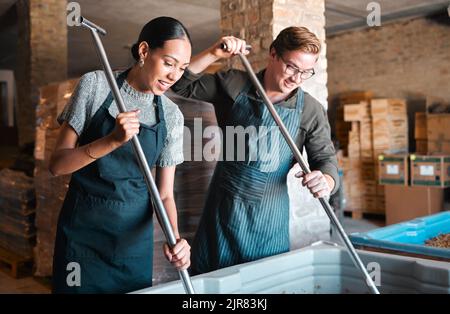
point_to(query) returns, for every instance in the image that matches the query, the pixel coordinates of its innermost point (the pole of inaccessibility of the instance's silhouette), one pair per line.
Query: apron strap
(300, 101)
(159, 108)
(247, 87)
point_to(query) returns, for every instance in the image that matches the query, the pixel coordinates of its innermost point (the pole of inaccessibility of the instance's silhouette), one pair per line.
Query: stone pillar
(251, 20)
(259, 22)
(42, 57)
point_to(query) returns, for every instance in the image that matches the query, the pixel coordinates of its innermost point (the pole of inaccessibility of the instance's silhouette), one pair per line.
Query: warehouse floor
(22, 285)
(29, 284)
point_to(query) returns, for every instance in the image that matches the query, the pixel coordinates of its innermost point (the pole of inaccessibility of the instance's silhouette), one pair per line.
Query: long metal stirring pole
(160, 210)
(326, 206)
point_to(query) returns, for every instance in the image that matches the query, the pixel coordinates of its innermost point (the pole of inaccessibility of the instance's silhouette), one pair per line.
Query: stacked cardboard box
(393, 169)
(405, 203)
(50, 190)
(423, 170)
(428, 175)
(17, 210)
(430, 171)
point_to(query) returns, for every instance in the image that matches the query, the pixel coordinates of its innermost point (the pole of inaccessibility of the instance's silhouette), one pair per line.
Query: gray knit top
(92, 90)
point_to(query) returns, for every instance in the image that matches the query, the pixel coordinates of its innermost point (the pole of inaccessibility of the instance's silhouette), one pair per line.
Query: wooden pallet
(358, 214)
(14, 261)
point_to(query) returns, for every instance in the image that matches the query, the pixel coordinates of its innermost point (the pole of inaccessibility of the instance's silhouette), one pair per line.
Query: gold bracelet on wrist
(88, 152)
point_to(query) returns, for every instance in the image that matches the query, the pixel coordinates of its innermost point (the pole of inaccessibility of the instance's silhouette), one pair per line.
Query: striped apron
(246, 214)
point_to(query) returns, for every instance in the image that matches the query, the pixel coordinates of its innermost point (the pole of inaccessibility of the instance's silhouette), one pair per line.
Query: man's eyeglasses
(294, 71)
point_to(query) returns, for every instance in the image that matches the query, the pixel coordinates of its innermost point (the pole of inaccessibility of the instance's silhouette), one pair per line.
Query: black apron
(105, 225)
(246, 215)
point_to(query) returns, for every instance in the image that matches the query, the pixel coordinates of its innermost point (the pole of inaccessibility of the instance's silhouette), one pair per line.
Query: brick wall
(259, 22)
(251, 20)
(406, 59)
(42, 56)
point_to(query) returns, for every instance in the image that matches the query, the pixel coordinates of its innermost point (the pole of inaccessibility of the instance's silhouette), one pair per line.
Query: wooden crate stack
(342, 129)
(353, 106)
(437, 126)
(420, 132)
(50, 190)
(370, 197)
(352, 189)
(390, 136)
(17, 210)
(431, 131)
(377, 126)
(390, 126)
(438, 134)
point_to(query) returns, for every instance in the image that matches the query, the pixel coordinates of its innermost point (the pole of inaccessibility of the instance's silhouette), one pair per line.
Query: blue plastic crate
(409, 236)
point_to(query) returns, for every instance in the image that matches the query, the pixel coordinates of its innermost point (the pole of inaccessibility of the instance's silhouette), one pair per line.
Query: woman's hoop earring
(141, 62)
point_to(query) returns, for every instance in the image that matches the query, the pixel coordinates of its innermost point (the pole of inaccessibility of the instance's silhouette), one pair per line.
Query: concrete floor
(25, 284)
(30, 285)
